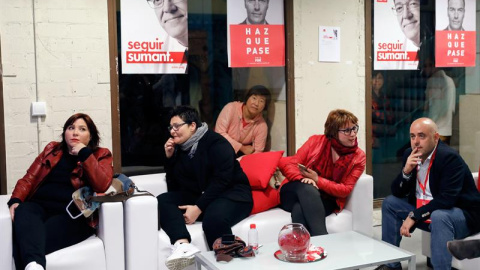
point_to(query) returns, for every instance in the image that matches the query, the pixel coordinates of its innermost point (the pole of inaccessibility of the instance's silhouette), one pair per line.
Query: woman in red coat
(323, 172)
(41, 224)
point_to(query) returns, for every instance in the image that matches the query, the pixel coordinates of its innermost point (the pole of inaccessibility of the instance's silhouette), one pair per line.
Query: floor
(412, 244)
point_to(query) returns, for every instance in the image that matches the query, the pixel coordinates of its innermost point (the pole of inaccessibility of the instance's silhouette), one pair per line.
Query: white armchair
(463, 264)
(147, 248)
(102, 252)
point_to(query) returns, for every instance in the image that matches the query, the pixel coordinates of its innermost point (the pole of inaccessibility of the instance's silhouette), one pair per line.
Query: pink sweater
(229, 125)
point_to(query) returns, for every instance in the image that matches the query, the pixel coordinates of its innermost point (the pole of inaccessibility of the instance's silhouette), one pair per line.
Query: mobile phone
(228, 239)
(302, 167)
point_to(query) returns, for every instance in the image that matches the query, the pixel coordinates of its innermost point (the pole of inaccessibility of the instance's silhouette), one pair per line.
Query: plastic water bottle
(253, 237)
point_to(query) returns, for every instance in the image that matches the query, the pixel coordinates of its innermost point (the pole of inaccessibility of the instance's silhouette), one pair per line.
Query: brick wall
(66, 65)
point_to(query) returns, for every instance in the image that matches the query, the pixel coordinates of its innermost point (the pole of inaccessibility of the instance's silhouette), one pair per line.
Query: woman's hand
(76, 148)
(310, 182)
(247, 149)
(191, 214)
(12, 210)
(169, 148)
(309, 173)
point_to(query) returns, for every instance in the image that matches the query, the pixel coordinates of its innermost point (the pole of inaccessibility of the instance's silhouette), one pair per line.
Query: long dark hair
(92, 128)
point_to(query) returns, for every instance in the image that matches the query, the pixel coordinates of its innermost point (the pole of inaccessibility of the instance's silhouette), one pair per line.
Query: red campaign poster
(455, 35)
(154, 37)
(257, 45)
(256, 33)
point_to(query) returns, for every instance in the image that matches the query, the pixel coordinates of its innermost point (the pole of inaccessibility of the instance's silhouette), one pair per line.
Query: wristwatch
(406, 176)
(412, 216)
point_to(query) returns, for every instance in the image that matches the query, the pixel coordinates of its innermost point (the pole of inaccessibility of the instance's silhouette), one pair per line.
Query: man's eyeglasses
(159, 3)
(400, 7)
(348, 131)
(175, 126)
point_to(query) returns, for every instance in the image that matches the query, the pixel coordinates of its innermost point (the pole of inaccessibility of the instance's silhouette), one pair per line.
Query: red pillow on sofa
(259, 167)
(264, 199)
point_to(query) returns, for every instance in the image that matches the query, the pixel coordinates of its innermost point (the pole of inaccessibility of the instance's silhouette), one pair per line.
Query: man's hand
(412, 161)
(406, 226)
(191, 214)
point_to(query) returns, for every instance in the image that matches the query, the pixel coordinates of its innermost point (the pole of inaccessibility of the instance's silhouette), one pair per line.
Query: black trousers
(37, 232)
(217, 220)
(307, 206)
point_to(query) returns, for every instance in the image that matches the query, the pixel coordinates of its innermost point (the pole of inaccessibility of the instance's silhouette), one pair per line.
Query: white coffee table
(347, 250)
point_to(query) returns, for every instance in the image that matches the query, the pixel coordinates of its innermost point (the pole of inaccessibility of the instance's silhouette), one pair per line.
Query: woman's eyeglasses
(348, 131)
(175, 126)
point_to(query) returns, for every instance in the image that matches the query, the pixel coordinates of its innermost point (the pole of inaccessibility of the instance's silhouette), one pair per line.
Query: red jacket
(96, 171)
(307, 155)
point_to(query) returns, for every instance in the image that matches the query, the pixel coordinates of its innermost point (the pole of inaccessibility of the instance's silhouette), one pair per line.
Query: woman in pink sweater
(242, 124)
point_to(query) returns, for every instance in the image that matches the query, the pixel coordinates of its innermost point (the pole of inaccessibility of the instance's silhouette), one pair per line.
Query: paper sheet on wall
(328, 44)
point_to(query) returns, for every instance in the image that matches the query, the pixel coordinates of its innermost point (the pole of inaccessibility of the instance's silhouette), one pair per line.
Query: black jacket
(212, 172)
(451, 184)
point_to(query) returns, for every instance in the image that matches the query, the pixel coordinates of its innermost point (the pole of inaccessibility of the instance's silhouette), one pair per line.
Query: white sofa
(147, 248)
(102, 252)
(463, 264)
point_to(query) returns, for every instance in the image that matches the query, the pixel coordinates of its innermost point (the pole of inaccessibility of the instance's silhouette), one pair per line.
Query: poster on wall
(154, 37)
(455, 33)
(328, 44)
(256, 35)
(396, 34)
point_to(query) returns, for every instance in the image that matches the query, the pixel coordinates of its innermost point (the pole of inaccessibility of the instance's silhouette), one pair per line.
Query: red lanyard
(424, 187)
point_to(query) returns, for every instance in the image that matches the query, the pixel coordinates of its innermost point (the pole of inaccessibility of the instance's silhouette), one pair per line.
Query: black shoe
(464, 249)
(385, 267)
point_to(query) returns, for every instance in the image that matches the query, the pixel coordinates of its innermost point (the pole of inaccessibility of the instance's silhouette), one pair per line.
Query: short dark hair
(259, 90)
(188, 114)
(92, 128)
(337, 119)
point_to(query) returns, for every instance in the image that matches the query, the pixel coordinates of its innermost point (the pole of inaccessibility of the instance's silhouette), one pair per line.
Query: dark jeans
(37, 232)
(217, 220)
(307, 206)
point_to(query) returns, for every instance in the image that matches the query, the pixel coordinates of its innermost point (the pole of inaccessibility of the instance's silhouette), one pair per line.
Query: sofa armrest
(153, 183)
(141, 233)
(360, 203)
(6, 259)
(110, 230)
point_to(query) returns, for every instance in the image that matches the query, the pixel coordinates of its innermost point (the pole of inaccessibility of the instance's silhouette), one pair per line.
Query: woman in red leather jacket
(323, 172)
(41, 224)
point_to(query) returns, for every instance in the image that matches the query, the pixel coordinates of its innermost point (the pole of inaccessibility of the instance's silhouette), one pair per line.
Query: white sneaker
(183, 255)
(34, 266)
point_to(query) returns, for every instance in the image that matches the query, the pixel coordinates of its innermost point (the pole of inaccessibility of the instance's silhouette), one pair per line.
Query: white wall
(66, 65)
(321, 87)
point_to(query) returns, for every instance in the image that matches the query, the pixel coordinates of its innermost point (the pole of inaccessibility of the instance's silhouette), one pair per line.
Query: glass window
(146, 99)
(401, 96)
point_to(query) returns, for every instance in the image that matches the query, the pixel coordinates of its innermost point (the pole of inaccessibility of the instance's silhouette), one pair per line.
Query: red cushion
(259, 168)
(264, 199)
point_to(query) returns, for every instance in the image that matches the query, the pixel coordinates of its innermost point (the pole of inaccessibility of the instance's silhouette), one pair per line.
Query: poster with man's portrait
(455, 24)
(256, 33)
(154, 36)
(396, 33)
